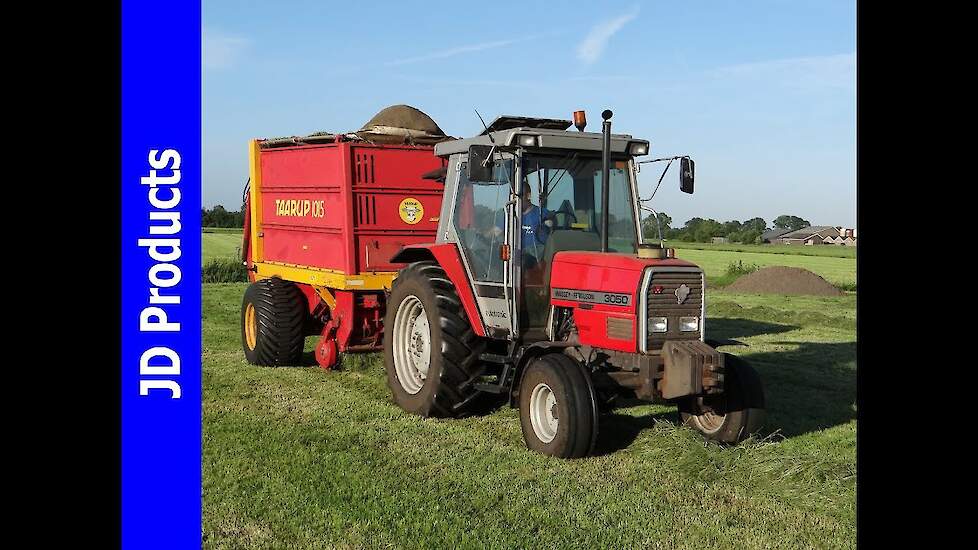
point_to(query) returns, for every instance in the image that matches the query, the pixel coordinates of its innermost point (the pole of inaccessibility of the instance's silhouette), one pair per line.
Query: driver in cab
(536, 227)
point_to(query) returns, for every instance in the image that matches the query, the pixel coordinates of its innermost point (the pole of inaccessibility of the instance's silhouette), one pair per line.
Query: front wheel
(558, 410)
(735, 414)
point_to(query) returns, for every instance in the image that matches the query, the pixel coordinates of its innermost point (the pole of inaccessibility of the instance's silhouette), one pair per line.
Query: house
(840, 240)
(812, 235)
(718, 240)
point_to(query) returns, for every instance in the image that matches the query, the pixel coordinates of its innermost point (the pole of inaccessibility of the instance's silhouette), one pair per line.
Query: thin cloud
(451, 52)
(594, 44)
(823, 71)
(220, 50)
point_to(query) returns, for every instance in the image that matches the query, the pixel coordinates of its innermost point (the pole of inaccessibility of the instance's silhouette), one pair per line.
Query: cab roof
(548, 138)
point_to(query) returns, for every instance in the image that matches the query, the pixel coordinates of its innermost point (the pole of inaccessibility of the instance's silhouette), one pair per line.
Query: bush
(224, 270)
(734, 271)
(738, 268)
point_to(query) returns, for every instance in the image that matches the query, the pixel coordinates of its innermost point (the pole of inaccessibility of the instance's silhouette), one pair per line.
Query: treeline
(219, 217)
(704, 230)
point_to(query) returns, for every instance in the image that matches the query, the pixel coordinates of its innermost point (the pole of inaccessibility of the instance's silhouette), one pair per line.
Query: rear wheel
(558, 409)
(430, 350)
(273, 317)
(735, 414)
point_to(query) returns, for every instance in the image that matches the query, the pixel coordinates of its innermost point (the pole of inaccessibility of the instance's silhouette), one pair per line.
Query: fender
(448, 257)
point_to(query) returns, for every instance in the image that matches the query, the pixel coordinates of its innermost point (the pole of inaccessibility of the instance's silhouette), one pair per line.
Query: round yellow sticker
(411, 210)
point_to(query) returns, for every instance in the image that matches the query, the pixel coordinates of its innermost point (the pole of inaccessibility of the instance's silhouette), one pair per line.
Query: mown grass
(220, 244)
(304, 458)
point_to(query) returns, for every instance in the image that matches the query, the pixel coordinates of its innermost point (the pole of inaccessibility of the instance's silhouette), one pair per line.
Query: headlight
(689, 324)
(658, 324)
(638, 148)
(527, 140)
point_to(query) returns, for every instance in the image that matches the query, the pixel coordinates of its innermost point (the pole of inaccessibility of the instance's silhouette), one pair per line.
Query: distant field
(794, 250)
(222, 230)
(222, 244)
(715, 262)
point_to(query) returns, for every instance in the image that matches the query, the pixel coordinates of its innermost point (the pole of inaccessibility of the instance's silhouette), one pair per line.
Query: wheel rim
(708, 421)
(251, 327)
(543, 413)
(412, 345)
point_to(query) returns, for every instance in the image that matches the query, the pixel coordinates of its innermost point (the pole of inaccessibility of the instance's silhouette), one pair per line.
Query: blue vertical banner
(160, 284)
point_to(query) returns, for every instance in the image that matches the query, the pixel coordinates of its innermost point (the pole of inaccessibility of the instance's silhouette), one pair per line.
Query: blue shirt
(535, 233)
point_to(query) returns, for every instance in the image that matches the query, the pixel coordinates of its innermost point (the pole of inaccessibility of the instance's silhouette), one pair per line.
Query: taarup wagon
(497, 267)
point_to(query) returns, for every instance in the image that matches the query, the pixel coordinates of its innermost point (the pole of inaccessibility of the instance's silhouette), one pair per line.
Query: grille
(664, 304)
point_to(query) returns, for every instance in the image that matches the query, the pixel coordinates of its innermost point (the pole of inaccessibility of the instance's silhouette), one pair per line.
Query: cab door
(482, 226)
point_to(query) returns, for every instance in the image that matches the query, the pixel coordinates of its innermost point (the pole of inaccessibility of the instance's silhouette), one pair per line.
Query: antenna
(491, 140)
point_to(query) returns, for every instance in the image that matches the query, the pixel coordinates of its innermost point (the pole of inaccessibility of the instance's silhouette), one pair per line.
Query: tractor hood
(604, 272)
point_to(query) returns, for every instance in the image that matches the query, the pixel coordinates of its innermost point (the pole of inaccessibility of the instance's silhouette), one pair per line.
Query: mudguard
(448, 257)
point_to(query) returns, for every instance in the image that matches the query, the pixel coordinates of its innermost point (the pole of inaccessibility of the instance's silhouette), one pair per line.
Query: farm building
(771, 234)
(812, 235)
(719, 240)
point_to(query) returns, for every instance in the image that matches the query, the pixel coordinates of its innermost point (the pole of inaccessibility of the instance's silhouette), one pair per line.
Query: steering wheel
(567, 218)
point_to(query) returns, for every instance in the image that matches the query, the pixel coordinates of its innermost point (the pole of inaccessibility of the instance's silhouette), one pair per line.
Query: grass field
(220, 244)
(714, 259)
(714, 263)
(304, 458)
(791, 250)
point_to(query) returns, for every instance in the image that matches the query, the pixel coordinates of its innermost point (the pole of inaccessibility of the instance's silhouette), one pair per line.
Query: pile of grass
(224, 270)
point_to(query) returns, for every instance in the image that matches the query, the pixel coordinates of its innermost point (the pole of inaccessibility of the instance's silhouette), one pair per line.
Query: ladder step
(490, 388)
(495, 358)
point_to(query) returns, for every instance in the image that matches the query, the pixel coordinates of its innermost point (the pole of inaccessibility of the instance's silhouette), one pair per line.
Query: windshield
(566, 191)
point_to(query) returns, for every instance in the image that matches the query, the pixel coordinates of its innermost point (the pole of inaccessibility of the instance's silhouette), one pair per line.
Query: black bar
(605, 176)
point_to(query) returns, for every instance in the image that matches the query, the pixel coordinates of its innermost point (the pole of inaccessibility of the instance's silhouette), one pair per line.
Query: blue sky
(760, 93)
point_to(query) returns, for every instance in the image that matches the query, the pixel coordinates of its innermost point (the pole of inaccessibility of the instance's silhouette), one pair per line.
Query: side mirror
(480, 165)
(686, 169)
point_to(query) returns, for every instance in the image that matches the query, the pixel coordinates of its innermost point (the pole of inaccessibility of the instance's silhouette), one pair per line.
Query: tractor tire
(558, 408)
(273, 323)
(431, 353)
(734, 415)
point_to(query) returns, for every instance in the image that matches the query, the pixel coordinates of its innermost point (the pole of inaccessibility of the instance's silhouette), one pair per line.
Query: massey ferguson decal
(609, 298)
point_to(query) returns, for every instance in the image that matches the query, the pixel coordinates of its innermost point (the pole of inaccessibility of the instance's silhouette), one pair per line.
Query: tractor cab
(521, 192)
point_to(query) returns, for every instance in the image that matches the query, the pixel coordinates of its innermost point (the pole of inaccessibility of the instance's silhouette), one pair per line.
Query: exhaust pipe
(605, 175)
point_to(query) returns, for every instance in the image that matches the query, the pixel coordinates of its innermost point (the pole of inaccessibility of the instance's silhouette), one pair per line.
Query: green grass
(237, 230)
(304, 458)
(791, 250)
(224, 244)
(838, 271)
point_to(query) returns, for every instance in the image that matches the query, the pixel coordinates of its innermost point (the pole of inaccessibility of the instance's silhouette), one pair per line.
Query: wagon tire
(431, 353)
(273, 322)
(734, 415)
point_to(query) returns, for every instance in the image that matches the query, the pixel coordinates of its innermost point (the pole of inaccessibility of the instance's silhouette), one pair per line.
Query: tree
(756, 224)
(219, 217)
(649, 229)
(732, 226)
(792, 223)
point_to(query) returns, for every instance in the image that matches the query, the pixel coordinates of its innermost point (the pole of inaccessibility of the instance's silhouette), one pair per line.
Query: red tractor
(531, 284)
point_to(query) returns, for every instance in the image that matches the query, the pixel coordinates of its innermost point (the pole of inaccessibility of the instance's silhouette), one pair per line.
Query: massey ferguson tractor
(509, 267)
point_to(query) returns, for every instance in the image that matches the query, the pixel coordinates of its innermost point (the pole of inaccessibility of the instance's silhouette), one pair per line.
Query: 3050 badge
(300, 208)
